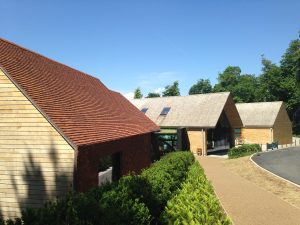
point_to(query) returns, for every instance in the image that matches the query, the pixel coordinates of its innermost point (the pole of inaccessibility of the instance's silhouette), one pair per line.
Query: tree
(230, 76)
(138, 93)
(246, 89)
(172, 90)
(201, 87)
(270, 82)
(243, 87)
(228, 79)
(153, 95)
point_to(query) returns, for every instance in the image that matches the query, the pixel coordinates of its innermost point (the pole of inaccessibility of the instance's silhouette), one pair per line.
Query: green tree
(172, 90)
(228, 79)
(138, 93)
(201, 87)
(246, 89)
(270, 82)
(290, 82)
(153, 95)
(243, 87)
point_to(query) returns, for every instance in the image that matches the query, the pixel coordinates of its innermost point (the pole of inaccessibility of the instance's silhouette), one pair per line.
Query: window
(237, 133)
(144, 110)
(165, 111)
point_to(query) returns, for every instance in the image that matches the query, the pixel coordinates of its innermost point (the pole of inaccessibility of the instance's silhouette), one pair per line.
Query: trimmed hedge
(195, 202)
(243, 150)
(134, 199)
(165, 177)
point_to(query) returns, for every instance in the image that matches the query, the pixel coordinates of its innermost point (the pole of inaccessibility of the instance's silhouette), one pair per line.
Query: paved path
(246, 203)
(284, 163)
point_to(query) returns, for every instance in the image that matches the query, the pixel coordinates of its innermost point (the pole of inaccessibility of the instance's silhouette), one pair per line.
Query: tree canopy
(153, 95)
(201, 87)
(172, 90)
(138, 93)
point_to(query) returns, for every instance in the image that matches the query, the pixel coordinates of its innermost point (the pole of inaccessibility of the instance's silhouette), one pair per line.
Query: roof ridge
(46, 57)
(182, 96)
(258, 102)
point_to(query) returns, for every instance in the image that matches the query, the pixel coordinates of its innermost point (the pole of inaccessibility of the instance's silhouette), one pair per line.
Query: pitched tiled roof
(202, 110)
(79, 105)
(259, 114)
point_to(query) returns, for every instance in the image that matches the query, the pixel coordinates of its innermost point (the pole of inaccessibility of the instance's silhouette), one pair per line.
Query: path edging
(260, 167)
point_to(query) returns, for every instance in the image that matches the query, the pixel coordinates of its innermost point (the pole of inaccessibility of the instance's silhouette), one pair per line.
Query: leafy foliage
(243, 87)
(165, 177)
(195, 202)
(104, 163)
(243, 150)
(134, 199)
(201, 87)
(153, 95)
(171, 90)
(138, 93)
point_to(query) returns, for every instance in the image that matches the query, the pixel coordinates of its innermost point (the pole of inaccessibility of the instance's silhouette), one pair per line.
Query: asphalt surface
(284, 163)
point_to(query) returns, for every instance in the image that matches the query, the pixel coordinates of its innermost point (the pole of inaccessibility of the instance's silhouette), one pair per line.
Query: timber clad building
(210, 119)
(55, 125)
(265, 122)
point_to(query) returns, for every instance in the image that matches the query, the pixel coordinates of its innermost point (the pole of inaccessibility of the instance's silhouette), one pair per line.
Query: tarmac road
(284, 163)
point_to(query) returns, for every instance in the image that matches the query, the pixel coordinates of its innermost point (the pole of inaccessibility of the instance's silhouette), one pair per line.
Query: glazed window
(165, 111)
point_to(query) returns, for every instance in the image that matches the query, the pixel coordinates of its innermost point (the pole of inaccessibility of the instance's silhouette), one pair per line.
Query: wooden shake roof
(202, 110)
(82, 108)
(259, 114)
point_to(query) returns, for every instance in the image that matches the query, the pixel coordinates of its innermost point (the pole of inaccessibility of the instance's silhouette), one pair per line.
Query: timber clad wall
(36, 163)
(282, 131)
(196, 139)
(256, 135)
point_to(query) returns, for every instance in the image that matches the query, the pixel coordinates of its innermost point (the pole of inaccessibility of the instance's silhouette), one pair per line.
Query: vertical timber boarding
(36, 162)
(282, 130)
(256, 135)
(197, 138)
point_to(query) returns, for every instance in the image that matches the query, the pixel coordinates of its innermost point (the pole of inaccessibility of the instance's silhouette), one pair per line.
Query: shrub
(134, 199)
(243, 150)
(104, 163)
(126, 204)
(195, 202)
(165, 177)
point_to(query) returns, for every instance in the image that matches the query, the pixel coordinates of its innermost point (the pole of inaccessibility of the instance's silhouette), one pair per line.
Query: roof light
(144, 110)
(165, 111)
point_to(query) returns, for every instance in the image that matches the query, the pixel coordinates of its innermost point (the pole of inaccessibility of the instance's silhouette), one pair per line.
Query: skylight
(144, 110)
(165, 111)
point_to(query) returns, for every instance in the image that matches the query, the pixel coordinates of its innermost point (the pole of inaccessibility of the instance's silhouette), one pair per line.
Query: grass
(245, 168)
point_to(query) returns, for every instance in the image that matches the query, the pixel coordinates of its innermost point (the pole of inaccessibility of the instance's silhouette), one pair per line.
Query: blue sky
(151, 43)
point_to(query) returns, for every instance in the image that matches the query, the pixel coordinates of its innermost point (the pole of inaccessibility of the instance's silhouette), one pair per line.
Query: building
(265, 122)
(210, 119)
(56, 124)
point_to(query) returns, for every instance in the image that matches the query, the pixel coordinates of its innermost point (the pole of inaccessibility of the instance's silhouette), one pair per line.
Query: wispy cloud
(159, 90)
(156, 81)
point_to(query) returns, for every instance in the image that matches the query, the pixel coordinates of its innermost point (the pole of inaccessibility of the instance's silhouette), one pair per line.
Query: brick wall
(135, 155)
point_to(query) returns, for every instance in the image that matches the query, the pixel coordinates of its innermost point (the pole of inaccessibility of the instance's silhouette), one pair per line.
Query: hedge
(134, 199)
(195, 202)
(165, 177)
(243, 150)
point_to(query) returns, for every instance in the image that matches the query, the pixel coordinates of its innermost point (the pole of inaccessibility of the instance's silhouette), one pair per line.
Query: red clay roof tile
(83, 109)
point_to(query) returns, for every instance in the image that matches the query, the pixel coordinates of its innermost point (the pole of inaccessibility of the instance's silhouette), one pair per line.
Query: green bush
(134, 199)
(243, 150)
(195, 202)
(165, 177)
